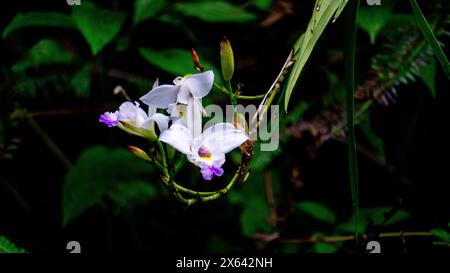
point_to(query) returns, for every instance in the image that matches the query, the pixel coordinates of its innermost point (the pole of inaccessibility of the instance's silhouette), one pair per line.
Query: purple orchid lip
(109, 119)
(208, 172)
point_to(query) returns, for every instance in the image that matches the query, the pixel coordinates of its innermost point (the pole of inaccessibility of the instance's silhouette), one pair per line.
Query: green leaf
(375, 216)
(324, 248)
(98, 26)
(262, 4)
(429, 36)
(145, 9)
(324, 10)
(317, 211)
(215, 12)
(428, 75)
(254, 217)
(102, 172)
(6, 246)
(441, 234)
(38, 19)
(81, 81)
(44, 52)
(373, 18)
(174, 61)
(127, 195)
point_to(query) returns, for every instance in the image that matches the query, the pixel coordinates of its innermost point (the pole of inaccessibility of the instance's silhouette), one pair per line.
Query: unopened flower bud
(196, 61)
(226, 59)
(139, 153)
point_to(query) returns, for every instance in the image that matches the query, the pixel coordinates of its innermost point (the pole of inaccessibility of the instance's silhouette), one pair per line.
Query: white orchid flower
(133, 119)
(183, 99)
(208, 149)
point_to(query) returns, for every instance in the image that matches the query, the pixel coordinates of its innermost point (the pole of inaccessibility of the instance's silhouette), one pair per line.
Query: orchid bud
(139, 153)
(226, 59)
(196, 61)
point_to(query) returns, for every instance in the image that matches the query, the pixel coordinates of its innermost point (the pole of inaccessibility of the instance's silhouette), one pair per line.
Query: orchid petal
(183, 94)
(200, 84)
(193, 117)
(132, 113)
(179, 137)
(161, 120)
(161, 96)
(224, 136)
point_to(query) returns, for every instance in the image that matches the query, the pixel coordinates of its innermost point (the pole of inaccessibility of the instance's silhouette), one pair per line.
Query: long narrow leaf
(349, 55)
(324, 12)
(429, 35)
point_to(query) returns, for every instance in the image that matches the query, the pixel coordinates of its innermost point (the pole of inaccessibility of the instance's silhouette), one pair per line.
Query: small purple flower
(208, 172)
(110, 119)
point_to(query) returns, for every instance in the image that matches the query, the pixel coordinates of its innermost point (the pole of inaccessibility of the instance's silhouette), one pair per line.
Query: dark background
(413, 130)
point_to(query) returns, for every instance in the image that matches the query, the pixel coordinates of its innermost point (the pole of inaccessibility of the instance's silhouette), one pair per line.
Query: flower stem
(231, 93)
(163, 157)
(240, 97)
(335, 239)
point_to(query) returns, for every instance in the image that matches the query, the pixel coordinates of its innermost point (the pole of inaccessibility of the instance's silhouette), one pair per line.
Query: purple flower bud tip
(110, 119)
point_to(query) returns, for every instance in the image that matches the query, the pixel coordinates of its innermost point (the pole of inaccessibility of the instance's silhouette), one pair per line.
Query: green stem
(231, 93)
(349, 53)
(335, 239)
(163, 157)
(192, 192)
(49, 142)
(256, 97)
(216, 195)
(240, 97)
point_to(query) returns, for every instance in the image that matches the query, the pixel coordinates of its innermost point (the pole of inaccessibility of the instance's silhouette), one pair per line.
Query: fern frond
(7, 246)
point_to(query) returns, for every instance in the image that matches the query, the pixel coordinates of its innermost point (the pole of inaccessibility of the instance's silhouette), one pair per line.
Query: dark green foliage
(44, 52)
(215, 11)
(145, 9)
(104, 172)
(98, 33)
(38, 19)
(7, 246)
(317, 211)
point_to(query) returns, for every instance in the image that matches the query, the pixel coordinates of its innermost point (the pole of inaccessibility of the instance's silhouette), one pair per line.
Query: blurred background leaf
(375, 216)
(38, 19)
(373, 18)
(215, 11)
(145, 9)
(100, 172)
(81, 81)
(98, 26)
(44, 52)
(317, 211)
(6, 246)
(262, 4)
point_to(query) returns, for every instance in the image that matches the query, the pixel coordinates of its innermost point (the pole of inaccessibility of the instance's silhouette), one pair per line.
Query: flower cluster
(181, 128)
